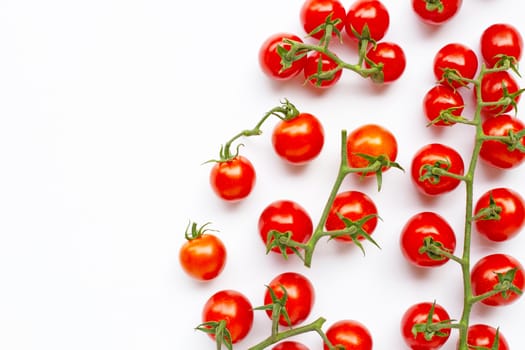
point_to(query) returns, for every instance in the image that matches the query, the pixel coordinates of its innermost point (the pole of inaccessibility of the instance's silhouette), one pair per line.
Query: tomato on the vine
(300, 296)
(436, 12)
(300, 139)
(483, 336)
(350, 334)
(500, 39)
(442, 99)
(270, 60)
(455, 58)
(498, 270)
(499, 154)
(417, 316)
(391, 57)
(371, 14)
(494, 87)
(233, 179)
(317, 64)
(314, 13)
(290, 345)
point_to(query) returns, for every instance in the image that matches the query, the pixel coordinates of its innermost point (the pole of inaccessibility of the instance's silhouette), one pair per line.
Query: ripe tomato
(298, 140)
(435, 154)
(487, 273)
(289, 345)
(373, 140)
(350, 334)
(314, 13)
(497, 153)
(511, 217)
(435, 13)
(270, 60)
(500, 39)
(316, 63)
(285, 216)
(301, 296)
(391, 56)
(203, 256)
(370, 13)
(456, 57)
(483, 336)
(493, 87)
(422, 226)
(233, 179)
(419, 314)
(442, 98)
(232, 307)
(354, 205)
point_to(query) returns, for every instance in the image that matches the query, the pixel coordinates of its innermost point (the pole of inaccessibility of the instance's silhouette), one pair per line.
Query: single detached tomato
(494, 86)
(417, 316)
(427, 226)
(436, 155)
(314, 13)
(496, 270)
(434, 12)
(483, 336)
(442, 100)
(350, 334)
(371, 14)
(290, 345)
(298, 140)
(285, 216)
(317, 65)
(270, 60)
(511, 217)
(354, 205)
(392, 59)
(457, 58)
(499, 154)
(233, 179)
(300, 296)
(500, 39)
(371, 140)
(232, 307)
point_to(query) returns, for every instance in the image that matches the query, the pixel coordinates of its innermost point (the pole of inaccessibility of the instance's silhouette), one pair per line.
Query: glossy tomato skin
(233, 307)
(203, 257)
(370, 13)
(440, 98)
(500, 39)
(301, 296)
(423, 225)
(314, 12)
(493, 86)
(418, 313)
(233, 179)
(512, 215)
(351, 334)
(431, 154)
(496, 153)
(327, 64)
(483, 335)
(285, 216)
(391, 56)
(434, 16)
(270, 60)
(353, 205)
(298, 140)
(457, 57)
(290, 345)
(484, 277)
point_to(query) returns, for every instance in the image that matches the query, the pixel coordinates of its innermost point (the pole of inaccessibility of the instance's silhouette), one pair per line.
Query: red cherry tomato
(232, 307)
(391, 56)
(370, 13)
(314, 13)
(500, 39)
(270, 60)
(285, 216)
(488, 272)
(419, 314)
(233, 179)
(422, 226)
(290, 345)
(203, 257)
(298, 140)
(456, 57)
(497, 153)
(493, 87)
(442, 98)
(350, 334)
(511, 217)
(483, 336)
(301, 296)
(316, 63)
(438, 155)
(434, 15)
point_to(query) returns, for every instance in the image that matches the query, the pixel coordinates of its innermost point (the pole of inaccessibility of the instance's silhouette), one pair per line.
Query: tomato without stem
(371, 14)
(458, 58)
(418, 314)
(494, 87)
(441, 98)
(392, 58)
(290, 345)
(270, 60)
(430, 12)
(203, 257)
(350, 334)
(482, 335)
(500, 39)
(319, 63)
(314, 13)
(499, 154)
(233, 179)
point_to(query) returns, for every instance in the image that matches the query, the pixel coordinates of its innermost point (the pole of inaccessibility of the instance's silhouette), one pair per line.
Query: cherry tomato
(419, 314)
(423, 226)
(483, 336)
(391, 56)
(314, 13)
(458, 58)
(232, 307)
(497, 153)
(285, 216)
(290, 345)
(436, 155)
(370, 13)
(203, 257)
(270, 60)
(442, 98)
(319, 62)
(487, 273)
(493, 87)
(301, 296)
(351, 334)
(233, 179)
(511, 217)
(300, 139)
(431, 14)
(500, 39)
(373, 140)
(354, 205)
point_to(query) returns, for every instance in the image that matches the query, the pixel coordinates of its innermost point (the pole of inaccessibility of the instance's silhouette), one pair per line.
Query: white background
(108, 110)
